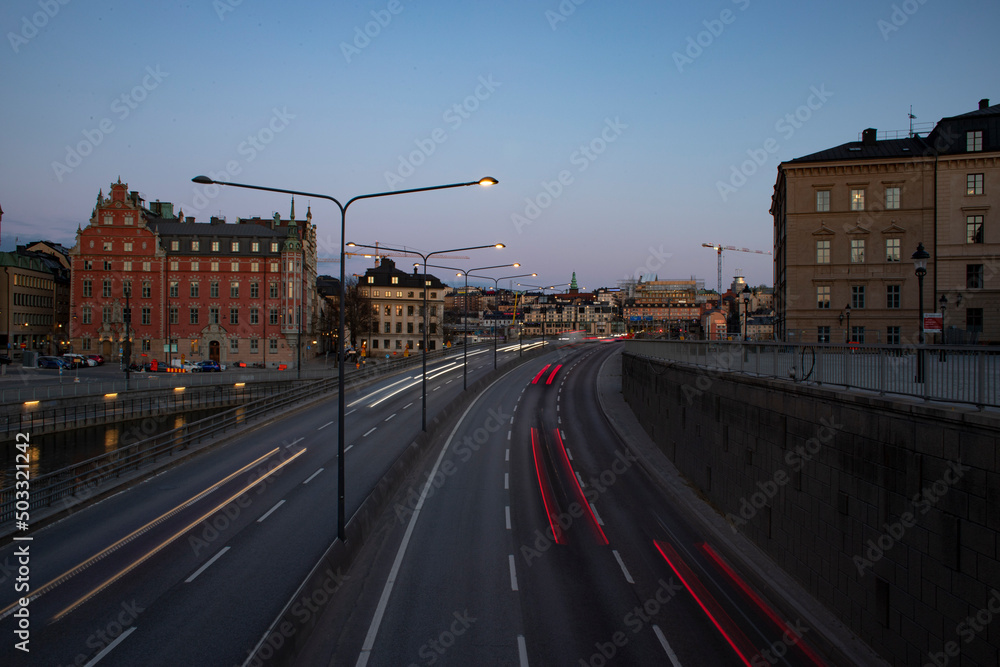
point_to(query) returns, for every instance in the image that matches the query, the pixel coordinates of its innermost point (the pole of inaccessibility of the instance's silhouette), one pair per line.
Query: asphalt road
(532, 537)
(191, 566)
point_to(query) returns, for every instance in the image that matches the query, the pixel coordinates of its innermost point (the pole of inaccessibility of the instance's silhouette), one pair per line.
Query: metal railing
(959, 374)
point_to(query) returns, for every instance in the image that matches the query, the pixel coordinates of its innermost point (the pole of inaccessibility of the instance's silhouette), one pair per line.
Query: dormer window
(974, 141)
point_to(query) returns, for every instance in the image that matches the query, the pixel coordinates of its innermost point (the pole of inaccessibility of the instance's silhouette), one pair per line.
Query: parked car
(55, 363)
(155, 366)
(208, 366)
(98, 358)
(79, 359)
(189, 367)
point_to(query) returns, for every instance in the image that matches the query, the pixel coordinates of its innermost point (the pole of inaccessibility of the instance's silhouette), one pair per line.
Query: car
(160, 367)
(5, 359)
(189, 367)
(79, 359)
(99, 358)
(208, 366)
(55, 363)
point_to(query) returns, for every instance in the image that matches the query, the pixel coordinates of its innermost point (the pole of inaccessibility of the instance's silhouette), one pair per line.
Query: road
(535, 539)
(191, 566)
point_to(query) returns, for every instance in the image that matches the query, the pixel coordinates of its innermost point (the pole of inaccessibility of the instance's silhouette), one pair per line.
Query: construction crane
(718, 247)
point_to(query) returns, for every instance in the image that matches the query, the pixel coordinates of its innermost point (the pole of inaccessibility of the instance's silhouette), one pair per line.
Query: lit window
(857, 251)
(857, 200)
(823, 296)
(175, 245)
(822, 252)
(234, 266)
(195, 266)
(146, 266)
(255, 246)
(235, 246)
(107, 245)
(214, 266)
(974, 229)
(273, 267)
(215, 246)
(175, 265)
(126, 266)
(274, 246)
(129, 220)
(255, 267)
(822, 201)
(974, 184)
(892, 250)
(395, 280)
(128, 246)
(195, 245)
(234, 290)
(892, 197)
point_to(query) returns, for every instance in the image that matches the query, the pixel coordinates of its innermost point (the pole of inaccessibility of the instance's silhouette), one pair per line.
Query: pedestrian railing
(959, 374)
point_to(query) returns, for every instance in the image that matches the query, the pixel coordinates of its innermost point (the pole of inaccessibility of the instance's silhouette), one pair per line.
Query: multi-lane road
(191, 566)
(540, 541)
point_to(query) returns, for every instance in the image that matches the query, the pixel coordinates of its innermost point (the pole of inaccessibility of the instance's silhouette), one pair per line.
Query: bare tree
(358, 316)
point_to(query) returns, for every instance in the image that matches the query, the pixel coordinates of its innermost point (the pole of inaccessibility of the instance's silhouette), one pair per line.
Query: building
(674, 306)
(243, 292)
(397, 299)
(34, 296)
(847, 220)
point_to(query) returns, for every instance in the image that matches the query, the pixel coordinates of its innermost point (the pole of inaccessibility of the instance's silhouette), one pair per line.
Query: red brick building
(227, 292)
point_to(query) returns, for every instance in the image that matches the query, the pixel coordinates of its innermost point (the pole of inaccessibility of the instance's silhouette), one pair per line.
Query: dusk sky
(618, 131)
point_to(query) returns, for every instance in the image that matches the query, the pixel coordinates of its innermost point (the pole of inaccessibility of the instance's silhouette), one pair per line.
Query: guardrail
(951, 373)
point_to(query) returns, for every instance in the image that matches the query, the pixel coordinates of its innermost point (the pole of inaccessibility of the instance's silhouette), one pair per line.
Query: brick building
(227, 292)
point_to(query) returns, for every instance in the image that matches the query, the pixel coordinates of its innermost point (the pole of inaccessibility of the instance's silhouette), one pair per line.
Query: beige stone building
(397, 299)
(848, 219)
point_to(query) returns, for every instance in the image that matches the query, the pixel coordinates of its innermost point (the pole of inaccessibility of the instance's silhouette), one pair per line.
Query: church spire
(292, 218)
(572, 284)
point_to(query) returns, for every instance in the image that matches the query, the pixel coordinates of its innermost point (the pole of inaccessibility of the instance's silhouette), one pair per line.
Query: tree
(358, 316)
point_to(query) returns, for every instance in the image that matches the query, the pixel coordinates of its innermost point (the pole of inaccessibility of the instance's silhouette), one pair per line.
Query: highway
(192, 565)
(532, 537)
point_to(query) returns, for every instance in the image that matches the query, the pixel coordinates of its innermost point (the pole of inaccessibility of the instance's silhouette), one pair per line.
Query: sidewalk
(780, 589)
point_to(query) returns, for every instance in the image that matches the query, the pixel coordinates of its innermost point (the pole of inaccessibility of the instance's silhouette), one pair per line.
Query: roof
(168, 227)
(386, 270)
(856, 150)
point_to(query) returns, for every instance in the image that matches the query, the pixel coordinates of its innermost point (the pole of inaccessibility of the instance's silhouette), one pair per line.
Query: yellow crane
(718, 247)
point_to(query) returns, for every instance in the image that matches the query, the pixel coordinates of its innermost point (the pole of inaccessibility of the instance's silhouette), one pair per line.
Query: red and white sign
(933, 322)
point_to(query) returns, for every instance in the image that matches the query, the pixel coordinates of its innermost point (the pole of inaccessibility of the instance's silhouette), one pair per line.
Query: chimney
(868, 137)
(189, 219)
(218, 221)
(984, 103)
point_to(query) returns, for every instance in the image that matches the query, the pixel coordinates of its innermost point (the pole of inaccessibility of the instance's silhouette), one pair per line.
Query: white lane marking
(508, 435)
(522, 651)
(557, 407)
(506, 480)
(372, 430)
(449, 381)
(268, 513)
(563, 433)
(628, 577)
(569, 454)
(506, 456)
(346, 449)
(310, 477)
(293, 442)
(666, 647)
(110, 647)
(600, 521)
(325, 425)
(580, 479)
(351, 412)
(506, 511)
(513, 573)
(389, 417)
(559, 420)
(436, 388)
(207, 564)
(515, 409)
(512, 421)
(407, 405)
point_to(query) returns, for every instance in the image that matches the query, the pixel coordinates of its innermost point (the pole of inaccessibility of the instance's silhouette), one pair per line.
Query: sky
(623, 135)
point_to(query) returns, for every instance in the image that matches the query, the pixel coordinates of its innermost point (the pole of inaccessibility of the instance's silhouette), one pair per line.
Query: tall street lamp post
(920, 258)
(746, 309)
(423, 376)
(205, 180)
(496, 290)
(465, 310)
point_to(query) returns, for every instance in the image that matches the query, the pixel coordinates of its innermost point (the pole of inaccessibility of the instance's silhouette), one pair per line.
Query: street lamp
(423, 380)
(746, 309)
(920, 258)
(847, 331)
(465, 310)
(205, 180)
(496, 290)
(943, 301)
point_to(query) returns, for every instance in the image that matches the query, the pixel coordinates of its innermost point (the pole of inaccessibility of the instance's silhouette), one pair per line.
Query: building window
(254, 316)
(146, 345)
(213, 315)
(823, 334)
(88, 287)
(254, 267)
(235, 246)
(194, 266)
(371, 280)
(234, 266)
(974, 141)
(395, 280)
(215, 267)
(174, 289)
(273, 267)
(387, 327)
(195, 246)
(129, 220)
(107, 245)
(194, 290)
(213, 289)
(409, 295)
(254, 290)
(108, 220)
(234, 289)
(127, 246)
(85, 343)
(255, 246)
(399, 294)
(857, 296)
(253, 346)
(822, 201)
(147, 289)
(106, 315)
(434, 311)
(146, 317)
(274, 246)
(175, 315)
(215, 246)
(409, 311)
(175, 246)
(273, 316)
(892, 250)
(234, 345)
(399, 311)
(434, 295)
(399, 344)
(857, 251)
(892, 335)
(86, 314)
(823, 296)
(273, 290)
(88, 265)
(127, 266)
(857, 335)
(234, 316)
(974, 229)
(194, 315)
(974, 184)
(892, 197)
(106, 289)
(974, 276)
(822, 252)
(857, 200)
(974, 319)
(147, 267)
(892, 296)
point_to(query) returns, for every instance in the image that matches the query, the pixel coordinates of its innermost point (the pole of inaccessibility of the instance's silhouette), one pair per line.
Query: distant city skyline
(623, 137)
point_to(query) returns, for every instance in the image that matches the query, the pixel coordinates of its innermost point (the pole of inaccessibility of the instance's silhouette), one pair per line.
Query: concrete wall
(885, 510)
